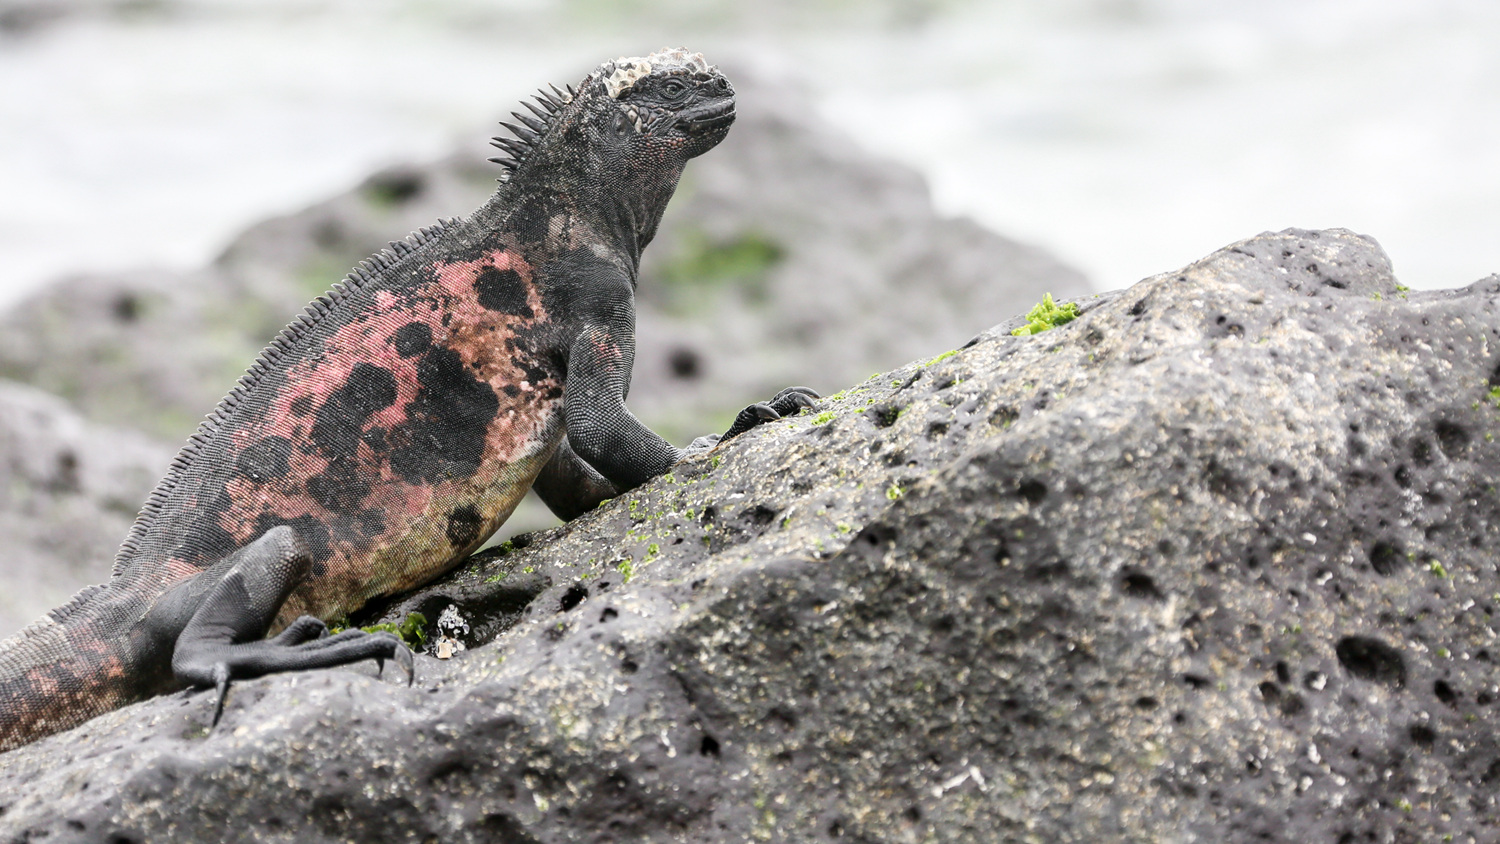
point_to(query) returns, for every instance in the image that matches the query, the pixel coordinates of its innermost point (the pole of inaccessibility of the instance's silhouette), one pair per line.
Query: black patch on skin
(375, 439)
(444, 434)
(340, 487)
(204, 541)
(544, 371)
(413, 338)
(301, 405)
(536, 372)
(532, 221)
(463, 526)
(313, 533)
(503, 291)
(357, 528)
(371, 522)
(336, 431)
(264, 459)
(336, 434)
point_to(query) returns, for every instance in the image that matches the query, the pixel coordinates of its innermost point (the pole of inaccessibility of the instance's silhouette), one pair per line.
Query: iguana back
(394, 426)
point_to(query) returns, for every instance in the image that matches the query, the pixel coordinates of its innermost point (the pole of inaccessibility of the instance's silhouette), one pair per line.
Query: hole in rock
(684, 363)
(885, 415)
(1452, 438)
(1385, 558)
(1371, 659)
(573, 597)
(126, 308)
(1445, 692)
(1138, 584)
(1032, 490)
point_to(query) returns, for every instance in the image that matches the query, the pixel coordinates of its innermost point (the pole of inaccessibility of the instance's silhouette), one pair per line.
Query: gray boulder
(1210, 563)
(69, 491)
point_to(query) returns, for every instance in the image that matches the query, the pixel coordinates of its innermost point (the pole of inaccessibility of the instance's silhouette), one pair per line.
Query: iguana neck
(624, 214)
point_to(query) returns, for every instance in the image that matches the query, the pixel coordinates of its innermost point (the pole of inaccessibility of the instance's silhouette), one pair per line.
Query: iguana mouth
(708, 118)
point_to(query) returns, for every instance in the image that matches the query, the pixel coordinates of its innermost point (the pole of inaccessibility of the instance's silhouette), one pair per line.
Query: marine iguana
(394, 424)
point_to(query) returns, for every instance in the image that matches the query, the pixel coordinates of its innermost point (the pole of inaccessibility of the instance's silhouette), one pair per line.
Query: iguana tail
(74, 663)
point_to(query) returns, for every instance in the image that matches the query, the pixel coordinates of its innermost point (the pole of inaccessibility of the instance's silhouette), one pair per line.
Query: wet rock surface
(1211, 562)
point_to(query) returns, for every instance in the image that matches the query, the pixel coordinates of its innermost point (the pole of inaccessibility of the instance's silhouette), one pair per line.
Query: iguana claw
(404, 658)
(785, 403)
(221, 684)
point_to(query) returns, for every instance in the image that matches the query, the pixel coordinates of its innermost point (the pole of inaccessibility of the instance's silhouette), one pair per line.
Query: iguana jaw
(712, 117)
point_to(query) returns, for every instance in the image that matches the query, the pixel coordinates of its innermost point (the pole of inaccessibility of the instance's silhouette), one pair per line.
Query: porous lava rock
(1212, 562)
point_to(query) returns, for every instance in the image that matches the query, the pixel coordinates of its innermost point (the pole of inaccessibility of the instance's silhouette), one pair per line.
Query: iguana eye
(673, 89)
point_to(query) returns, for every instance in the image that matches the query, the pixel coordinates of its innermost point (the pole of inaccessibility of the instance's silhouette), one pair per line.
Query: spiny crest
(74, 604)
(48, 622)
(365, 273)
(532, 129)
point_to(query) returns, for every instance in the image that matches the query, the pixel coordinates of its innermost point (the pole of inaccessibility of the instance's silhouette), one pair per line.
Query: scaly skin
(394, 426)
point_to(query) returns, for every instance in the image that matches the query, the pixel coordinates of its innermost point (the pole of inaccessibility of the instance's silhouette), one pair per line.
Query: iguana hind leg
(223, 639)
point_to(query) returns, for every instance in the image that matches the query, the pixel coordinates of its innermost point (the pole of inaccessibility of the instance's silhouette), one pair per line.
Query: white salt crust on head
(629, 70)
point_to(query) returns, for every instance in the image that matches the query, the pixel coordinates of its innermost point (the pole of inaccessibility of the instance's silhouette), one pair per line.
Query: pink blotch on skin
(367, 340)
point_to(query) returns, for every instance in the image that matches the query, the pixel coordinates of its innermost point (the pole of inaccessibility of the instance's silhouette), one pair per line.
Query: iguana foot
(785, 403)
(223, 639)
(254, 659)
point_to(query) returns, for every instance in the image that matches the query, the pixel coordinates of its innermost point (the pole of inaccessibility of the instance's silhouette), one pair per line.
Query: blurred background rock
(156, 153)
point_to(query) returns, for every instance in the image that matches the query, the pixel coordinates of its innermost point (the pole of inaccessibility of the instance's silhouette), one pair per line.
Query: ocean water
(1129, 137)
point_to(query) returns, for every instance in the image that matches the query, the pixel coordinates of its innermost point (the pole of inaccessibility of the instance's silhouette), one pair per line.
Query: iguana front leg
(606, 436)
(222, 639)
(569, 486)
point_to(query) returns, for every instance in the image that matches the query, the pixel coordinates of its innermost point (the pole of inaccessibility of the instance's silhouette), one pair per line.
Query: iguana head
(632, 112)
(669, 104)
(625, 133)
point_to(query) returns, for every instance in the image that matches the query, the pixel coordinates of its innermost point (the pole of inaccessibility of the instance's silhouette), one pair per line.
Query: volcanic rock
(1210, 562)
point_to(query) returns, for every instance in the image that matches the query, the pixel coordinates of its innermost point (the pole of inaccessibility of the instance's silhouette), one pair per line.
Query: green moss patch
(411, 630)
(1047, 315)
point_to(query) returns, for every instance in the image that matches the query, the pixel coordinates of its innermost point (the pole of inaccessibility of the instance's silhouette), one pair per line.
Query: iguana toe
(793, 399)
(748, 418)
(401, 655)
(785, 403)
